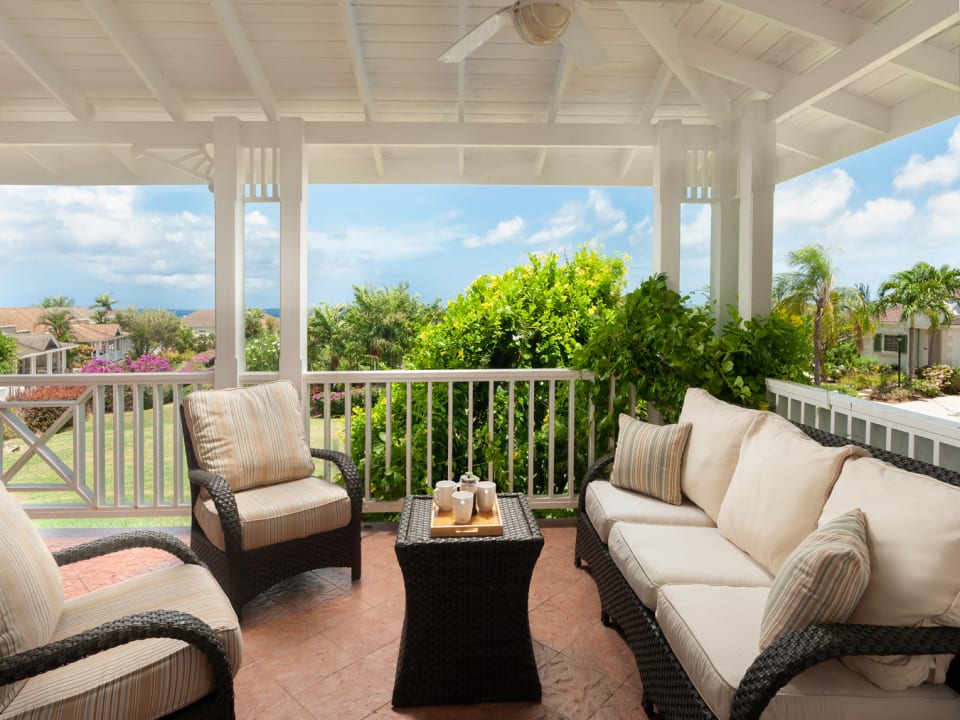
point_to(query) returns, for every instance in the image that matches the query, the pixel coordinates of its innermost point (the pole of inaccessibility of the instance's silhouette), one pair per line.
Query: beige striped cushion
(275, 513)
(141, 679)
(31, 591)
(249, 436)
(821, 581)
(649, 458)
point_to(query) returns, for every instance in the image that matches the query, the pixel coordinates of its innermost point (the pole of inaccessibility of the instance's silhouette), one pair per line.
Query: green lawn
(37, 471)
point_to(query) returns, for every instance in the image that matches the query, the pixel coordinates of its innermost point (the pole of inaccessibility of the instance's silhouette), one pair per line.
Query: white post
(228, 252)
(293, 251)
(668, 186)
(756, 183)
(724, 228)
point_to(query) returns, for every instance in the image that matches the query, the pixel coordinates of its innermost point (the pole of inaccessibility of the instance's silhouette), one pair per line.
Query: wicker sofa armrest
(124, 541)
(349, 471)
(805, 647)
(152, 624)
(225, 503)
(597, 470)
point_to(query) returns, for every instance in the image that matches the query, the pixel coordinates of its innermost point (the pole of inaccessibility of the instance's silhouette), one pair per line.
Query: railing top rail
(153, 378)
(374, 376)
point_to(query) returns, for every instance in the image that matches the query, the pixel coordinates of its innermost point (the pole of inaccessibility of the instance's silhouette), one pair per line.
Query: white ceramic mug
(443, 494)
(462, 507)
(486, 493)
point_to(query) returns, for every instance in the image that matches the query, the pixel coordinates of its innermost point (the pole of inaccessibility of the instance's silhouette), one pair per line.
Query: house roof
(92, 332)
(200, 319)
(27, 319)
(125, 91)
(36, 343)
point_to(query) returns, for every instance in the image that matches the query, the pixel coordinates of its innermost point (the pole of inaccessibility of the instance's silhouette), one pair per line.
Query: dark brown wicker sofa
(680, 671)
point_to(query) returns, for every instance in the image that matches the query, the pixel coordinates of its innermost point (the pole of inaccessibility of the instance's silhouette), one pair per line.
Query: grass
(36, 472)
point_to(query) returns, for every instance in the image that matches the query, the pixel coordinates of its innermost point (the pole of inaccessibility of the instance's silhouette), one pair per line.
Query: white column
(725, 228)
(668, 163)
(293, 251)
(756, 183)
(228, 251)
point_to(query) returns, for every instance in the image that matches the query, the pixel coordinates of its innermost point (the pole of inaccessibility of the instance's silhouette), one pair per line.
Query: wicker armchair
(259, 513)
(76, 658)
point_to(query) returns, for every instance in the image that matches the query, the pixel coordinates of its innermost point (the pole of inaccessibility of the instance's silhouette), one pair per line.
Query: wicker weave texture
(466, 632)
(665, 683)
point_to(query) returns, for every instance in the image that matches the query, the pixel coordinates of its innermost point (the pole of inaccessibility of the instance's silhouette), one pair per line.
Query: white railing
(132, 463)
(930, 439)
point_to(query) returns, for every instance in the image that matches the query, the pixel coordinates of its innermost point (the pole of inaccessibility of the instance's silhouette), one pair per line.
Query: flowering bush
(146, 363)
(945, 377)
(38, 419)
(200, 362)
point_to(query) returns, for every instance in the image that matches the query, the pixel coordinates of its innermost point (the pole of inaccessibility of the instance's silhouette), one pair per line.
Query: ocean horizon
(182, 312)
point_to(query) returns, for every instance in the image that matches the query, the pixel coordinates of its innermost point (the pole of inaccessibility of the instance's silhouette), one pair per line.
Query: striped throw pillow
(821, 581)
(649, 458)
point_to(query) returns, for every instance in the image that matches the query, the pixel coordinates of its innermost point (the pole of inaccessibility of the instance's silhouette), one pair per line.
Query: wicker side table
(466, 629)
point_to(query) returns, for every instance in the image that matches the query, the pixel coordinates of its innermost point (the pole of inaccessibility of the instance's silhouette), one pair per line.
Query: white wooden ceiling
(115, 91)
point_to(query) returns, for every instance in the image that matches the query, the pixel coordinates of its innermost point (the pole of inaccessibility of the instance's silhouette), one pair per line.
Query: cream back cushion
(249, 436)
(31, 589)
(913, 532)
(649, 458)
(718, 429)
(778, 489)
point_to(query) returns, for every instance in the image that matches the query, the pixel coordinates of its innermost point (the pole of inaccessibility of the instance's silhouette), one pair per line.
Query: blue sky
(878, 212)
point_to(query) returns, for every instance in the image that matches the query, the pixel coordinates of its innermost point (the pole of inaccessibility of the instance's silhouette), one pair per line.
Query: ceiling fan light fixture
(541, 23)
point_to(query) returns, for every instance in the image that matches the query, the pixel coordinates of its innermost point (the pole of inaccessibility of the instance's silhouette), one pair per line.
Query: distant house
(892, 336)
(40, 353)
(202, 322)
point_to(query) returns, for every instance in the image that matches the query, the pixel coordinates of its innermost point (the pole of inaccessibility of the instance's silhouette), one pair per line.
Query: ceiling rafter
(461, 85)
(823, 23)
(45, 73)
(133, 49)
(232, 27)
(655, 25)
(906, 28)
(768, 80)
(360, 73)
(553, 109)
(653, 97)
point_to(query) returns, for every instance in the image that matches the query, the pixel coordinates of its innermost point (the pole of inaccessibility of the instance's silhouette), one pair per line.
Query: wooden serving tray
(482, 523)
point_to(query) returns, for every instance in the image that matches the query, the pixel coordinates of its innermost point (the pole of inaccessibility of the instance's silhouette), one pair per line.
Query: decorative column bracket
(195, 161)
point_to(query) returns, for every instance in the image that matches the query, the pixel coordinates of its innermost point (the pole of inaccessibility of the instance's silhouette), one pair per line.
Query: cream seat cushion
(249, 436)
(713, 447)
(650, 556)
(276, 513)
(125, 683)
(913, 533)
(31, 589)
(778, 489)
(714, 632)
(606, 504)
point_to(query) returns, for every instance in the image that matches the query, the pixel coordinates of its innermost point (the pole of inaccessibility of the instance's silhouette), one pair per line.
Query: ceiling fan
(538, 22)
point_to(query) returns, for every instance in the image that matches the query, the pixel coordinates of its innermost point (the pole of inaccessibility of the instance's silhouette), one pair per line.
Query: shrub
(200, 362)
(146, 363)
(939, 375)
(40, 418)
(929, 388)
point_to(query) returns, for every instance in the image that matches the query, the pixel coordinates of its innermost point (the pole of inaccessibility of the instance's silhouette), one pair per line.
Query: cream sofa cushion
(607, 504)
(249, 436)
(778, 489)
(276, 513)
(714, 632)
(713, 447)
(821, 581)
(141, 678)
(31, 589)
(913, 532)
(649, 458)
(649, 556)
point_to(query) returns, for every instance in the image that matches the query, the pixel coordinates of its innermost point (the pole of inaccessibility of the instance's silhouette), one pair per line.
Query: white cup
(462, 507)
(443, 494)
(486, 493)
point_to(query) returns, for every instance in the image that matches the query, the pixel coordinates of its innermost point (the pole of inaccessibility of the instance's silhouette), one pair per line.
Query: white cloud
(944, 211)
(641, 232)
(939, 170)
(554, 233)
(504, 231)
(695, 234)
(880, 218)
(812, 199)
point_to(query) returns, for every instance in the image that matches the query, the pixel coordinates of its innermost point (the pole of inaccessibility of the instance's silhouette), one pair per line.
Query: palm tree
(58, 321)
(103, 305)
(920, 290)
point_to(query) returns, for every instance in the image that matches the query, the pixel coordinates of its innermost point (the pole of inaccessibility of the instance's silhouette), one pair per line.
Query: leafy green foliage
(262, 352)
(8, 355)
(58, 321)
(151, 330)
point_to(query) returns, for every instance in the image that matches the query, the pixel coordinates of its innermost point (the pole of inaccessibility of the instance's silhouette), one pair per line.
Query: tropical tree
(810, 289)
(150, 330)
(57, 301)
(325, 336)
(920, 290)
(8, 355)
(102, 307)
(58, 320)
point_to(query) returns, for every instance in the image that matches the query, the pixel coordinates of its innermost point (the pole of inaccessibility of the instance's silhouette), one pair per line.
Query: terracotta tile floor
(317, 646)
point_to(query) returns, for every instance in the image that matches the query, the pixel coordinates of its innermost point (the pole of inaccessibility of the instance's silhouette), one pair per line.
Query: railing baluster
(429, 434)
(511, 443)
(409, 443)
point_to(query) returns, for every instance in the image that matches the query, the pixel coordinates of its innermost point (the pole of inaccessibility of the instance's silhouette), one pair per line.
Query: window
(888, 343)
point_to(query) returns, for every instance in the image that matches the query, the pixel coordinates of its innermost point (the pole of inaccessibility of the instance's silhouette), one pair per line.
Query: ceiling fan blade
(582, 45)
(468, 44)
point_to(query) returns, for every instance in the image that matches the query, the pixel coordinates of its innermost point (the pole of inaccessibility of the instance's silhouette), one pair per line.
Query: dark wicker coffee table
(466, 630)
